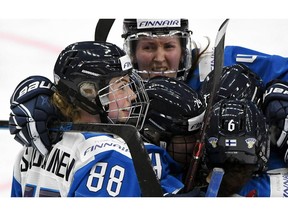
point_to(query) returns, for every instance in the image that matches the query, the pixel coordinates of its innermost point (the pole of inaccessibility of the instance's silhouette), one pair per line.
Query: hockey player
(153, 31)
(94, 83)
(237, 140)
(173, 122)
(239, 82)
(163, 47)
(160, 47)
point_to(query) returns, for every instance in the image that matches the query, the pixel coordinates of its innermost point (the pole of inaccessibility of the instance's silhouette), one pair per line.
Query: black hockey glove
(275, 108)
(32, 113)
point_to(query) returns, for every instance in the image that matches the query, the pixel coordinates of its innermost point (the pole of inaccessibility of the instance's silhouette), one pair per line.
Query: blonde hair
(67, 109)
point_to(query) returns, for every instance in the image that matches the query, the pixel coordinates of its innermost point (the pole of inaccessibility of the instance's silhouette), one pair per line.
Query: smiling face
(158, 55)
(120, 99)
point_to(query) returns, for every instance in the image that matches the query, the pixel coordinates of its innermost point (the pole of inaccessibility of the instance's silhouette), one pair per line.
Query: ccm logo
(34, 85)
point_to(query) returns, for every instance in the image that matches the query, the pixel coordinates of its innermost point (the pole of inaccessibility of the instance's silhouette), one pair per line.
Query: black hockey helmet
(135, 29)
(91, 65)
(237, 131)
(155, 26)
(175, 109)
(237, 81)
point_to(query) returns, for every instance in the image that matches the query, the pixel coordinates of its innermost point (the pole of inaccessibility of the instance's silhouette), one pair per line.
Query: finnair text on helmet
(142, 24)
(125, 62)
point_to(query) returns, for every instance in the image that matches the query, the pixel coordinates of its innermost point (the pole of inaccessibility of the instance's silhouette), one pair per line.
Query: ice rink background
(31, 46)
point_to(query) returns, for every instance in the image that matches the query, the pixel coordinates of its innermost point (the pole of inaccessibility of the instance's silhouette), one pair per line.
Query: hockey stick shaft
(102, 29)
(4, 124)
(215, 182)
(218, 65)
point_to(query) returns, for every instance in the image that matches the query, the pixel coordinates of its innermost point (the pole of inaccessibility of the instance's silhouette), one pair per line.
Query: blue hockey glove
(32, 113)
(275, 108)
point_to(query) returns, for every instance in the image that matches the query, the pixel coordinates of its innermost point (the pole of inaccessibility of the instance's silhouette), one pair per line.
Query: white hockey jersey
(89, 165)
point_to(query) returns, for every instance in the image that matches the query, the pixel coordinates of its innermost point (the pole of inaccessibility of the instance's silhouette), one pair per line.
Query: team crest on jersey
(213, 141)
(250, 142)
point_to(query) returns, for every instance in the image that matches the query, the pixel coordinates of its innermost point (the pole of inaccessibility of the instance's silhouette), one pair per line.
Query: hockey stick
(102, 29)
(215, 182)
(4, 124)
(199, 146)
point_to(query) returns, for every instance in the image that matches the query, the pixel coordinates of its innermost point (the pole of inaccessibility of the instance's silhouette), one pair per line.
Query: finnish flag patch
(230, 142)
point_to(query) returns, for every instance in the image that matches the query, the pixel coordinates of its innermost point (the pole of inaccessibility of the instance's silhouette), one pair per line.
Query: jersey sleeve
(272, 183)
(167, 170)
(267, 66)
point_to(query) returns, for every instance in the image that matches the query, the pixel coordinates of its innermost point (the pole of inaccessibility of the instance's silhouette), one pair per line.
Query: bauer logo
(35, 85)
(281, 90)
(125, 62)
(156, 23)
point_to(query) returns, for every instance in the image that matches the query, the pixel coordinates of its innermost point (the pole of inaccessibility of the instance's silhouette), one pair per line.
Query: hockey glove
(32, 113)
(275, 108)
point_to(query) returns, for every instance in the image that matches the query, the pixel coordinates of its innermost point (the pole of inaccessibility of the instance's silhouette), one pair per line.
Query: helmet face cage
(237, 132)
(125, 100)
(181, 147)
(133, 33)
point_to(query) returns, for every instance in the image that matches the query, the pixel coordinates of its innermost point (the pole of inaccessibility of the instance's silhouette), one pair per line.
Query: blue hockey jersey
(267, 66)
(273, 183)
(89, 165)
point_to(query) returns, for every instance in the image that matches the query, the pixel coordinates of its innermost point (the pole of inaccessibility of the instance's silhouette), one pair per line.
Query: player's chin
(123, 116)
